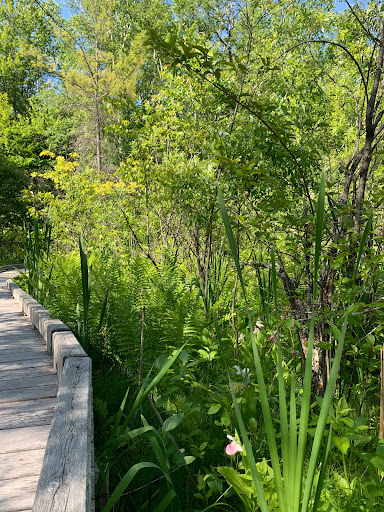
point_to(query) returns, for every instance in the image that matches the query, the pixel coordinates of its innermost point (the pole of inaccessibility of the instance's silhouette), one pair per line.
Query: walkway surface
(28, 388)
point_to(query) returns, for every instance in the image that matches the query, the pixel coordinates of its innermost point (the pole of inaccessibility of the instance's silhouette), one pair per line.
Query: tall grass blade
(248, 449)
(328, 396)
(292, 443)
(146, 389)
(322, 471)
(271, 438)
(282, 398)
(119, 415)
(306, 398)
(231, 239)
(125, 481)
(166, 501)
(123, 439)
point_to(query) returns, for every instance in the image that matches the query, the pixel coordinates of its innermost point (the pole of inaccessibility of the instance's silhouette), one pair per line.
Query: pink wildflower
(258, 326)
(232, 448)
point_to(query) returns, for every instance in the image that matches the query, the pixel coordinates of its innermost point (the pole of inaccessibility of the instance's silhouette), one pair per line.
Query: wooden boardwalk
(28, 389)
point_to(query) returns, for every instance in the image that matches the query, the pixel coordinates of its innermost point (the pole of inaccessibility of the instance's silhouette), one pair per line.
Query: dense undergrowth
(137, 317)
(177, 148)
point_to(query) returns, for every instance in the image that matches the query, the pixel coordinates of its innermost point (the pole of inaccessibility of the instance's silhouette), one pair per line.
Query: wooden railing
(66, 482)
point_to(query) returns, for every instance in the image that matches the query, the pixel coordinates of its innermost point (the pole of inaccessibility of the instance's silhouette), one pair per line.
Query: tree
(27, 50)
(96, 72)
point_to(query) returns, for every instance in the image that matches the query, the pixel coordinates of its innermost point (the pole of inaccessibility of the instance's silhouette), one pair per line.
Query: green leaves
(214, 409)
(172, 422)
(341, 443)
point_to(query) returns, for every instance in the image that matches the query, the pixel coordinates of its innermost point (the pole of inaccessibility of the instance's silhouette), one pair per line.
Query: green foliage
(126, 143)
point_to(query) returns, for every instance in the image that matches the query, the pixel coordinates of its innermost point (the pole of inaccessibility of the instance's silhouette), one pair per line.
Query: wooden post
(381, 433)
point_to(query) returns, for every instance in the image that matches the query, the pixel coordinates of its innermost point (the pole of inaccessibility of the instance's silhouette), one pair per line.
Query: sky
(340, 6)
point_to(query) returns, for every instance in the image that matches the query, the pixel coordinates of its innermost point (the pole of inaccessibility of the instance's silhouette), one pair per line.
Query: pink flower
(258, 326)
(232, 448)
(271, 338)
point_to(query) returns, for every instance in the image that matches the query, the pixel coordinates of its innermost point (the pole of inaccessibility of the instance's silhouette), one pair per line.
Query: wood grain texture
(32, 362)
(21, 464)
(37, 313)
(21, 353)
(21, 439)
(28, 388)
(32, 393)
(65, 345)
(65, 480)
(17, 494)
(48, 326)
(20, 382)
(27, 413)
(32, 419)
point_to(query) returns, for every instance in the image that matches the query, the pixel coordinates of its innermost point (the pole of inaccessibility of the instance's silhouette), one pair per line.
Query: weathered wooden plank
(36, 313)
(41, 371)
(48, 326)
(27, 303)
(27, 413)
(66, 474)
(35, 361)
(21, 464)
(21, 353)
(25, 342)
(31, 393)
(65, 345)
(17, 494)
(25, 383)
(22, 439)
(19, 294)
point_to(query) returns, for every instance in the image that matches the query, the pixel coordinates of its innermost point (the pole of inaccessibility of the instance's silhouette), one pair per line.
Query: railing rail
(66, 482)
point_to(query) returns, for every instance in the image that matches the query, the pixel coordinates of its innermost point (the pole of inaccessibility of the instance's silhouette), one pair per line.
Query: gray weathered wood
(19, 295)
(28, 388)
(47, 326)
(30, 393)
(40, 371)
(19, 353)
(23, 463)
(28, 413)
(17, 494)
(65, 345)
(10, 285)
(65, 480)
(27, 438)
(27, 303)
(20, 382)
(36, 313)
(34, 361)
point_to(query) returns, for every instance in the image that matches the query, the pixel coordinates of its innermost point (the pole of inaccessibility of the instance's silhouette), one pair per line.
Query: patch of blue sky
(66, 11)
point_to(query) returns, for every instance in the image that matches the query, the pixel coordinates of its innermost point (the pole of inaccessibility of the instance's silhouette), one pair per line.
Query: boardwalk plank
(25, 383)
(17, 494)
(21, 439)
(40, 371)
(20, 354)
(35, 361)
(21, 464)
(26, 413)
(32, 393)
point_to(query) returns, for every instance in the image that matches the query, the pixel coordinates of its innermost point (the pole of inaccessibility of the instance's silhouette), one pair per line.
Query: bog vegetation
(196, 188)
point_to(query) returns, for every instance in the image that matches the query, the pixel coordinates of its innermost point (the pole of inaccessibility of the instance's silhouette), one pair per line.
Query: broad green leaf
(214, 409)
(341, 443)
(172, 422)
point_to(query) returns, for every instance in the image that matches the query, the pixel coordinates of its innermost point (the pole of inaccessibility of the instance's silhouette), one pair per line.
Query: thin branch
(374, 38)
(325, 41)
(265, 123)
